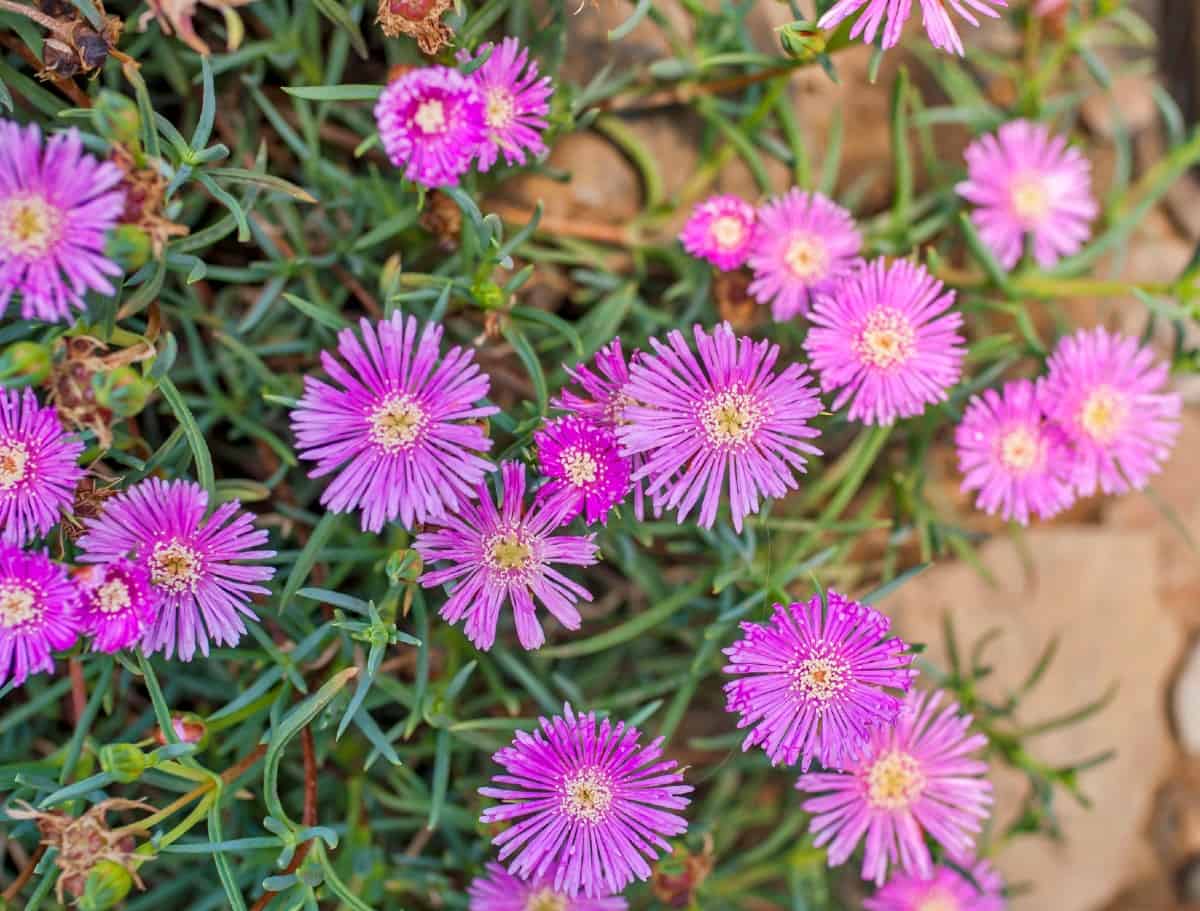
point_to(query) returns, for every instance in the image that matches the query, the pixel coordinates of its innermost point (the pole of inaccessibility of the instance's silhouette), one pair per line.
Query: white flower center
(397, 423)
(14, 461)
(895, 781)
(730, 418)
(939, 901)
(887, 340)
(509, 551)
(113, 596)
(587, 796)
(500, 108)
(580, 466)
(175, 567)
(431, 117)
(546, 900)
(1104, 413)
(29, 225)
(1019, 449)
(16, 605)
(727, 232)
(1030, 198)
(807, 257)
(820, 679)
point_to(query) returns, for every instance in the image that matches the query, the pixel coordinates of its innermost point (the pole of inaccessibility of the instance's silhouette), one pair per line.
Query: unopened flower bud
(116, 118)
(802, 40)
(129, 246)
(189, 728)
(25, 359)
(123, 761)
(106, 886)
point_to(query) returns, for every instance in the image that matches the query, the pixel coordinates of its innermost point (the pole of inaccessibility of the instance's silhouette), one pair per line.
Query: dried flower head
(419, 19)
(176, 16)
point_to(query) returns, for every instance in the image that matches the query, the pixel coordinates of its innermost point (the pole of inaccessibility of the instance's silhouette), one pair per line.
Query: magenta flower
(892, 14)
(727, 413)
(202, 567)
(38, 613)
(38, 470)
(504, 554)
(1106, 392)
(57, 203)
(805, 244)
(916, 777)
(1019, 462)
(815, 681)
(1026, 181)
(433, 122)
(884, 338)
(501, 891)
(118, 604)
(587, 473)
(594, 805)
(516, 102)
(947, 890)
(398, 426)
(721, 230)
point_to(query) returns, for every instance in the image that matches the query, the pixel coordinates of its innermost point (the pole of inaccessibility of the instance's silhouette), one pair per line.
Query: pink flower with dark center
(721, 230)
(1106, 391)
(587, 474)
(39, 606)
(1018, 461)
(118, 605)
(886, 341)
(982, 889)
(722, 420)
(500, 555)
(516, 101)
(589, 804)
(433, 122)
(804, 245)
(499, 890)
(915, 778)
(1027, 182)
(38, 469)
(57, 205)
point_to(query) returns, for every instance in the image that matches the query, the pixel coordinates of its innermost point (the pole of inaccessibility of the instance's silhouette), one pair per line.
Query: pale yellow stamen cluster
(727, 232)
(895, 781)
(397, 423)
(499, 108)
(887, 340)
(819, 680)
(1019, 449)
(1104, 413)
(730, 418)
(29, 225)
(580, 466)
(587, 796)
(1030, 200)
(508, 551)
(546, 900)
(17, 605)
(113, 596)
(175, 567)
(939, 901)
(431, 116)
(14, 462)
(806, 257)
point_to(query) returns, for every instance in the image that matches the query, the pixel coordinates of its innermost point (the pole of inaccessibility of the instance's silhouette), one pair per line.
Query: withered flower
(734, 302)
(175, 17)
(419, 19)
(83, 365)
(677, 878)
(443, 219)
(90, 495)
(74, 47)
(145, 196)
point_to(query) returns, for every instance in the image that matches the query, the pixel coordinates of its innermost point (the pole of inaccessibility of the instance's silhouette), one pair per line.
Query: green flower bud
(389, 276)
(107, 885)
(489, 294)
(116, 118)
(123, 761)
(802, 40)
(25, 359)
(124, 391)
(129, 246)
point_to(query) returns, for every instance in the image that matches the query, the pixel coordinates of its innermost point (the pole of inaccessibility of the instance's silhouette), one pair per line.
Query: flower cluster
(1098, 419)
(435, 122)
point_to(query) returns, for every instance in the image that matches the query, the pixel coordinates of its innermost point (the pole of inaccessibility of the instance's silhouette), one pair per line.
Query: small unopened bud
(123, 761)
(802, 40)
(116, 118)
(106, 886)
(124, 392)
(403, 566)
(129, 246)
(489, 294)
(189, 728)
(389, 276)
(25, 359)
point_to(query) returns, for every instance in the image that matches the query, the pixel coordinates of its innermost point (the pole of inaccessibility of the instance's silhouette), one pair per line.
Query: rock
(1128, 105)
(1095, 588)
(1185, 704)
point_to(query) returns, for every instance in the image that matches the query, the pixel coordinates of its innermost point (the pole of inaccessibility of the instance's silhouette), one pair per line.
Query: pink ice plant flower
(893, 14)
(499, 890)
(972, 885)
(584, 467)
(118, 604)
(39, 606)
(721, 230)
(516, 102)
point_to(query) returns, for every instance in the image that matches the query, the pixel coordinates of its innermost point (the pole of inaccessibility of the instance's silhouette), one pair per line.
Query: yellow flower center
(500, 108)
(174, 567)
(580, 466)
(113, 596)
(29, 225)
(887, 340)
(431, 116)
(894, 781)
(820, 679)
(17, 605)
(397, 423)
(806, 257)
(1030, 200)
(1104, 413)
(1019, 449)
(546, 900)
(939, 901)
(14, 461)
(730, 418)
(587, 796)
(509, 552)
(727, 232)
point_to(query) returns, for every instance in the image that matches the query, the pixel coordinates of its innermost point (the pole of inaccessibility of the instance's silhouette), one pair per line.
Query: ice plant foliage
(433, 122)
(1029, 183)
(892, 14)
(57, 204)
(396, 424)
(204, 568)
(817, 679)
(516, 101)
(982, 889)
(721, 230)
(39, 605)
(804, 245)
(722, 419)
(117, 605)
(886, 342)
(505, 554)
(1019, 462)
(499, 890)
(915, 778)
(586, 472)
(1107, 392)
(589, 804)
(38, 470)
